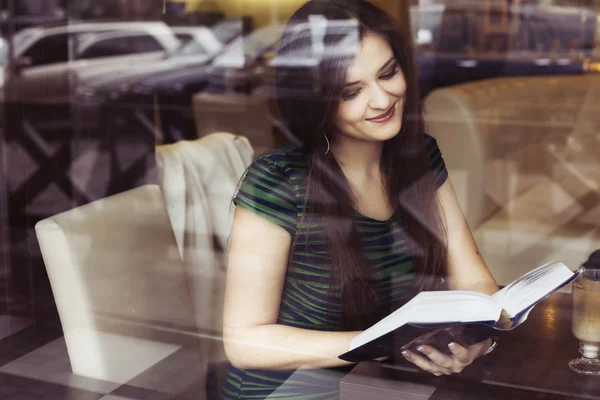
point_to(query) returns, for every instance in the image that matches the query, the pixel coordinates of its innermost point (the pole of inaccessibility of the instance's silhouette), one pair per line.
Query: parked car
(208, 40)
(243, 67)
(466, 41)
(129, 97)
(198, 45)
(47, 60)
(200, 34)
(197, 49)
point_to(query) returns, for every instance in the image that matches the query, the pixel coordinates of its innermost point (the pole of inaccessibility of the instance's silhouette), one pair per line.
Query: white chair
(523, 156)
(120, 286)
(199, 179)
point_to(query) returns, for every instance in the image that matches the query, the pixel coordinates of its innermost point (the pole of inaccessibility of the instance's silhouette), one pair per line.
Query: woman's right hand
(438, 363)
(447, 350)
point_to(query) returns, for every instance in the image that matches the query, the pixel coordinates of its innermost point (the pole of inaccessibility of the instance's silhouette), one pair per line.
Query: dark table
(531, 362)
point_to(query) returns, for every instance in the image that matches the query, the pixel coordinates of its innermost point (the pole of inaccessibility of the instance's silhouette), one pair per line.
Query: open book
(505, 310)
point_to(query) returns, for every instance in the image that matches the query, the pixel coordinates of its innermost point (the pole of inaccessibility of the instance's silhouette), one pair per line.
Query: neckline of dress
(361, 215)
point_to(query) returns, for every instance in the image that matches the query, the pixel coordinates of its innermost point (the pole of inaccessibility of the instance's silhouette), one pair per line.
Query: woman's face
(372, 100)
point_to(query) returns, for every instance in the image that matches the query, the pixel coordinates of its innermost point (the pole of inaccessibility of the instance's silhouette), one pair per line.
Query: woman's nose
(380, 99)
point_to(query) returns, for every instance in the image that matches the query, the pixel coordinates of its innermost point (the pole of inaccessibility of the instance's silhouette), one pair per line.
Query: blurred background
(90, 89)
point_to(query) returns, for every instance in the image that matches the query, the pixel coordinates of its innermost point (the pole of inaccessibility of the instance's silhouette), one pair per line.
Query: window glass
(184, 37)
(118, 46)
(192, 47)
(455, 33)
(143, 44)
(167, 104)
(49, 50)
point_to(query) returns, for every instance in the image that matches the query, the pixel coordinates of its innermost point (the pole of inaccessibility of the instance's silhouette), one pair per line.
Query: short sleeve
(267, 191)
(438, 166)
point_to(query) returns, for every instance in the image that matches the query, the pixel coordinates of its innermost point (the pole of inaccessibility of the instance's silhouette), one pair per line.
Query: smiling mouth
(385, 117)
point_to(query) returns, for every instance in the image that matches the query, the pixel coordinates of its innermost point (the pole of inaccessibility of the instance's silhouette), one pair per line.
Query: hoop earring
(327, 140)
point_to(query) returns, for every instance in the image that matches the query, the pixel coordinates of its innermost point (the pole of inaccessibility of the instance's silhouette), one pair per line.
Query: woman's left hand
(439, 363)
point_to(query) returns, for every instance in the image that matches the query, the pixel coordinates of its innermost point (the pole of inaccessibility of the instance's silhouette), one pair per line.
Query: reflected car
(213, 38)
(3, 57)
(198, 45)
(129, 99)
(465, 41)
(47, 60)
(245, 67)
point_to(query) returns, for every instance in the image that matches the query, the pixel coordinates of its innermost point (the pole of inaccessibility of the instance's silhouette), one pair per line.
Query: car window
(184, 37)
(344, 41)
(456, 33)
(191, 48)
(496, 30)
(228, 30)
(23, 36)
(245, 50)
(123, 45)
(144, 44)
(49, 50)
(521, 36)
(3, 52)
(542, 31)
(85, 39)
(571, 30)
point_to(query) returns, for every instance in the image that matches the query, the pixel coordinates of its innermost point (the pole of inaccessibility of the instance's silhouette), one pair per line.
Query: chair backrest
(199, 179)
(500, 137)
(116, 260)
(454, 125)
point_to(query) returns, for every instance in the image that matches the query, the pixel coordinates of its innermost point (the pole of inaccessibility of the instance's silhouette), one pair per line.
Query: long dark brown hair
(307, 100)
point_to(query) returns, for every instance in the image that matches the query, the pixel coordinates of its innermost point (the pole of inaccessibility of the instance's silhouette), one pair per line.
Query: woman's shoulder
(432, 146)
(288, 159)
(430, 140)
(436, 160)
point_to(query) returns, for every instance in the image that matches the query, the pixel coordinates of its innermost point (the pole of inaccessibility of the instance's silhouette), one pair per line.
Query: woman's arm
(466, 268)
(466, 271)
(258, 258)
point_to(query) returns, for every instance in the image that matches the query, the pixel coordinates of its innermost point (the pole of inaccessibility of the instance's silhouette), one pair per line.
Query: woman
(332, 232)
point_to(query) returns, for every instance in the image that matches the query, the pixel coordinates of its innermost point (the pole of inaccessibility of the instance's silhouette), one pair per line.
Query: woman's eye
(346, 96)
(390, 74)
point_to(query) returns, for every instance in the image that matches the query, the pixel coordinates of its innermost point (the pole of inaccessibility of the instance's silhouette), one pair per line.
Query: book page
(455, 306)
(452, 306)
(386, 325)
(533, 286)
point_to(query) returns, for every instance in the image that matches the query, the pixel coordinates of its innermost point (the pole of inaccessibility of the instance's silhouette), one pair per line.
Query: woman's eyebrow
(388, 62)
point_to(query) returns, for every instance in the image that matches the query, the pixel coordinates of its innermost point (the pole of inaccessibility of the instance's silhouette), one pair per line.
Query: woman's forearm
(280, 347)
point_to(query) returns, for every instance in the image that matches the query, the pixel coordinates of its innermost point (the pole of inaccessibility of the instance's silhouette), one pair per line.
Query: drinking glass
(586, 321)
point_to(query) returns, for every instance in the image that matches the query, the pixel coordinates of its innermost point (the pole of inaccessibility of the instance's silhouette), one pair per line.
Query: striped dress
(274, 188)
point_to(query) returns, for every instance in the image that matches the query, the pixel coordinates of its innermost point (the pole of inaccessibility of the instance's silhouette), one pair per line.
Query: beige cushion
(119, 284)
(544, 223)
(523, 156)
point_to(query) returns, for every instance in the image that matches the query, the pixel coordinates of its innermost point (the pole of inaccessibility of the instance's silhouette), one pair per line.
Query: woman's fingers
(426, 364)
(437, 357)
(460, 352)
(439, 363)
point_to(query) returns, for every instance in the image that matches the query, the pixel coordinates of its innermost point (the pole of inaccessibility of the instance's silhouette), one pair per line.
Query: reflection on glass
(246, 49)
(586, 322)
